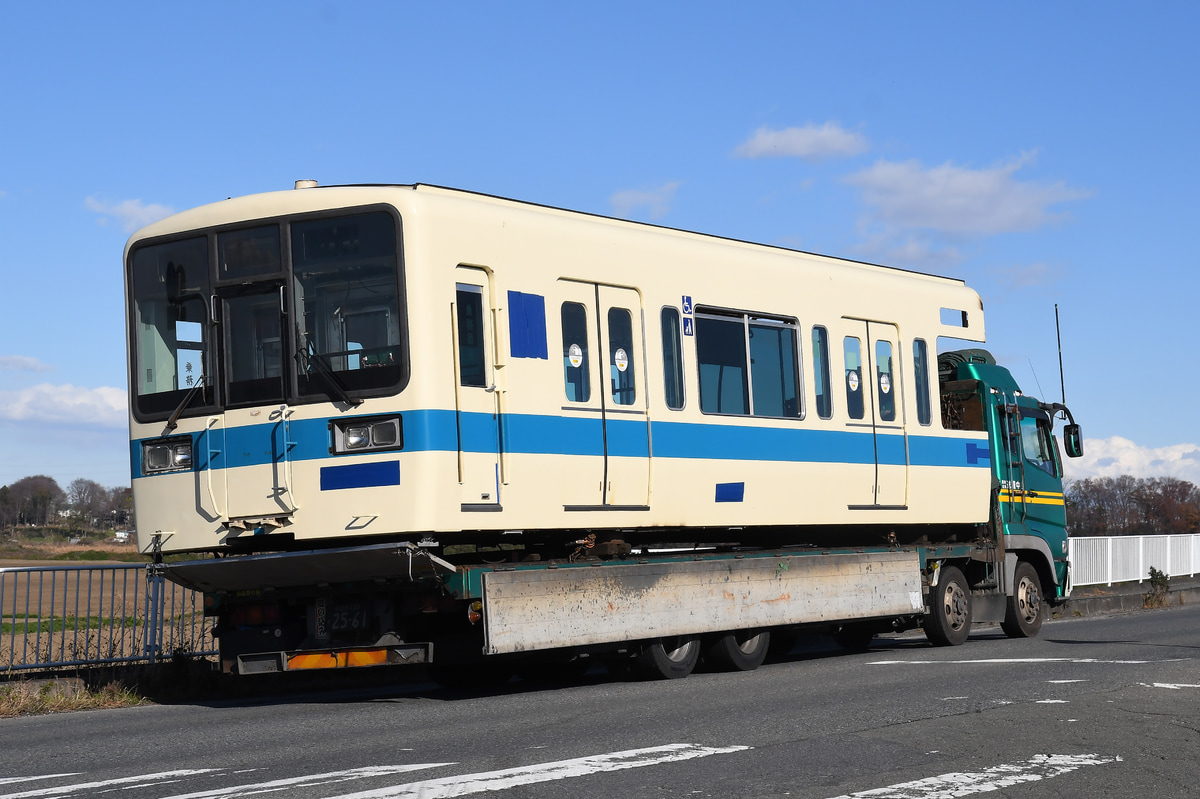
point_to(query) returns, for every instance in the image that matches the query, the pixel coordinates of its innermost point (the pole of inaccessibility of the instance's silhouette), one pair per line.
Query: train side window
(820, 351)
(921, 371)
(620, 356)
(885, 381)
(773, 380)
(472, 356)
(852, 350)
(721, 352)
(672, 359)
(575, 352)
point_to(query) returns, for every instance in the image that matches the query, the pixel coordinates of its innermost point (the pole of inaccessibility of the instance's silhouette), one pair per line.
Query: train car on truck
(412, 424)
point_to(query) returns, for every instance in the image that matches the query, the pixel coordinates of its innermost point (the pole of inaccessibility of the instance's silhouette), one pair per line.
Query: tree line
(1128, 505)
(39, 501)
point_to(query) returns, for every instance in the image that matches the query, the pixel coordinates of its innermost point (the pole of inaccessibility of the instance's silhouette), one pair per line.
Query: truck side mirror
(1073, 440)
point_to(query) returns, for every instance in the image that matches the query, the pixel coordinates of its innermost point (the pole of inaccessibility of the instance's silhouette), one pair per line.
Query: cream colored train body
(527, 370)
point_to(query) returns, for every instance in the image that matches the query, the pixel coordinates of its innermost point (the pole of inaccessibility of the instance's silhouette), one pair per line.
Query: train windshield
(294, 311)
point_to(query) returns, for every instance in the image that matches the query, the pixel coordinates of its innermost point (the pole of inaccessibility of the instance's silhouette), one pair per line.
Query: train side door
(605, 430)
(257, 438)
(891, 445)
(476, 399)
(874, 403)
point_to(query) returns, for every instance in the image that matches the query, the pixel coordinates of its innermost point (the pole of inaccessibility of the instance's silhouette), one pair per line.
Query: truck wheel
(743, 650)
(1023, 613)
(948, 622)
(668, 658)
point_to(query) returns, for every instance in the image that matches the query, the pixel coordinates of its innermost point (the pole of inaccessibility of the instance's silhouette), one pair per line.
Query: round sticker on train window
(621, 359)
(575, 355)
(852, 380)
(885, 383)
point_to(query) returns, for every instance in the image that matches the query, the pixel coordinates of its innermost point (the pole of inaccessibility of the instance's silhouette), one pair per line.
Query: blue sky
(1045, 153)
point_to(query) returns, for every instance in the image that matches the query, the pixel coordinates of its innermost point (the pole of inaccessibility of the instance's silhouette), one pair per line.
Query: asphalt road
(1094, 707)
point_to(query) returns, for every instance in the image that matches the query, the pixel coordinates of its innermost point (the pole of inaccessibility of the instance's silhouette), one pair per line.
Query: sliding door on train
(875, 402)
(476, 411)
(605, 428)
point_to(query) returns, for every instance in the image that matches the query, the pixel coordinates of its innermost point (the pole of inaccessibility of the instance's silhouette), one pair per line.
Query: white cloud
(22, 363)
(908, 250)
(657, 201)
(959, 200)
(1112, 457)
(132, 214)
(99, 407)
(811, 142)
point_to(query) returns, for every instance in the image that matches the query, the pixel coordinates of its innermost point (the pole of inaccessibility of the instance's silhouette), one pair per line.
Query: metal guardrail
(61, 616)
(1104, 560)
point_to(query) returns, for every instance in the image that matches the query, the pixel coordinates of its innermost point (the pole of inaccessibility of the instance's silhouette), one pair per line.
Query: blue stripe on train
(438, 431)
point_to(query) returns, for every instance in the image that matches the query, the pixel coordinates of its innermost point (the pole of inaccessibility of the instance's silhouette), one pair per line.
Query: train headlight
(167, 455)
(357, 437)
(366, 435)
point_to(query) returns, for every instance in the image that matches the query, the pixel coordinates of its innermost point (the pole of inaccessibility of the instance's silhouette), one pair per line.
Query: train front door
(257, 438)
(477, 410)
(875, 402)
(605, 431)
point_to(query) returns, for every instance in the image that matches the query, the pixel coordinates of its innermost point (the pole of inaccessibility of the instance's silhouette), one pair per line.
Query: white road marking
(466, 784)
(1052, 702)
(306, 781)
(955, 784)
(1063, 682)
(1016, 660)
(1175, 686)
(10, 780)
(88, 788)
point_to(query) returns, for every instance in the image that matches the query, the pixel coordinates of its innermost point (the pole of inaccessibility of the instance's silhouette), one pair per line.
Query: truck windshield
(264, 322)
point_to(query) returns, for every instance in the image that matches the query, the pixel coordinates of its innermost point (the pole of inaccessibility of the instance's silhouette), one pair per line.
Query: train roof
(303, 199)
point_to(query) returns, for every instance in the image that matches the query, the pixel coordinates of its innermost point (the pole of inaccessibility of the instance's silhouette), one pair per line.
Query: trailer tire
(743, 650)
(1023, 612)
(668, 658)
(948, 622)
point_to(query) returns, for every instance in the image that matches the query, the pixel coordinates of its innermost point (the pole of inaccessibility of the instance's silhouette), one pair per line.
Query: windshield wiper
(307, 361)
(173, 422)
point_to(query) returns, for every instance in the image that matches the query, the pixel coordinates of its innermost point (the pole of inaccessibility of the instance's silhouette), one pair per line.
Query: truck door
(256, 431)
(606, 425)
(477, 411)
(1031, 492)
(874, 396)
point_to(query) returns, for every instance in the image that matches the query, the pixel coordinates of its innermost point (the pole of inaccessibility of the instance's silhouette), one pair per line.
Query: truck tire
(668, 658)
(743, 650)
(948, 622)
(1023, 612)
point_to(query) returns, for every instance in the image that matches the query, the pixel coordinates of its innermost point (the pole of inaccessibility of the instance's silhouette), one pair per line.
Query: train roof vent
(306, 184)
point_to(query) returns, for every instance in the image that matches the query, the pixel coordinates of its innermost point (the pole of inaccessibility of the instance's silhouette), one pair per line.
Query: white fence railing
(1104, 560)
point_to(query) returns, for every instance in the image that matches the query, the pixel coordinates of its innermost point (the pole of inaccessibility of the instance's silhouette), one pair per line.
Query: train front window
(347, 304)
(171, 330)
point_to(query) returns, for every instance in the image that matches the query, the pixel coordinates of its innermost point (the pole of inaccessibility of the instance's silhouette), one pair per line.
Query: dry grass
(60, 695)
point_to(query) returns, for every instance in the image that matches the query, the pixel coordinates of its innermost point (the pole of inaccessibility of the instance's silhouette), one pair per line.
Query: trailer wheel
(668, 658)
(1023, 613)
(743, 650)
(948, 622)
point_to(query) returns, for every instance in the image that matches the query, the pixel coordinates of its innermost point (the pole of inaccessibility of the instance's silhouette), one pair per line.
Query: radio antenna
(1058, 332)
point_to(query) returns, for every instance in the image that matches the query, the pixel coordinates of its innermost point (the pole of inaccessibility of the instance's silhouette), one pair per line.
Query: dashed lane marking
(955, 784)
(1016, 660)
(306, 781)
(466, 784)
(90, 788)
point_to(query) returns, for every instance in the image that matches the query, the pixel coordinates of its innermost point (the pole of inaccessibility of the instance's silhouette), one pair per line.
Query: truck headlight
(167, 455)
